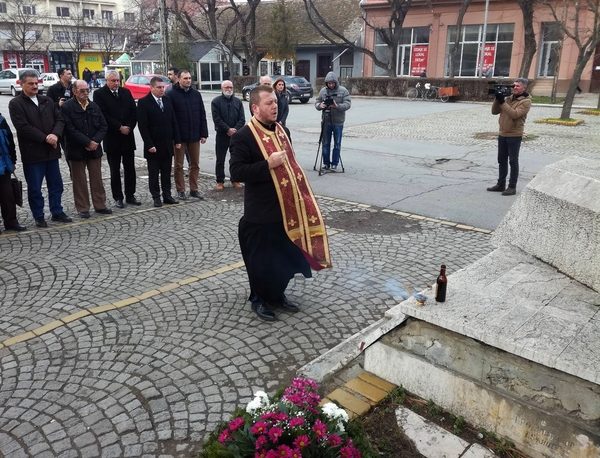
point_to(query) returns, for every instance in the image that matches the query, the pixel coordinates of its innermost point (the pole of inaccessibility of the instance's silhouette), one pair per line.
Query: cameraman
(513, 111)
(333, 101)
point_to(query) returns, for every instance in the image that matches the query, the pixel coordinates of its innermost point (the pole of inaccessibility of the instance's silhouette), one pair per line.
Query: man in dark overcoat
(159, 130)
(119, 110)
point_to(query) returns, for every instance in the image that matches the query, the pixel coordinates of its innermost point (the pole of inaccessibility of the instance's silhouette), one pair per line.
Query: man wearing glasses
(513, 113)
(85, 128)
(119, 110)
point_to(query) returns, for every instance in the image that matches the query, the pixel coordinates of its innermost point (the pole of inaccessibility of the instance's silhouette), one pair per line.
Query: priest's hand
(276, 159)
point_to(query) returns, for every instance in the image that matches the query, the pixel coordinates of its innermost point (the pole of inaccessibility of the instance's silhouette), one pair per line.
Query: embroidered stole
(302, 217)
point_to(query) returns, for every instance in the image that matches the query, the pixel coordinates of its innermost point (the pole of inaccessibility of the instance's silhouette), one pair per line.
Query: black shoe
(62, 218)
(84, 215)
(169, 200)
(287, 305)
(133, 201)
(510, 191)
(496, 188)
(157, 202)
(263, 312)
(17, 227)
(119, 203)
(104, 211)
(41, 222)
(181, 195)
(326, 167)
(196, 194)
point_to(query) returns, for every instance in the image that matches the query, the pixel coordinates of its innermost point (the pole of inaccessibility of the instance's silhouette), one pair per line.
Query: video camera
(500, 89)
(329, 101)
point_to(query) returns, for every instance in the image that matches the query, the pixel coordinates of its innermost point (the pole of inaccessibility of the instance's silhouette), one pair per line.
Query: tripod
(319, 157)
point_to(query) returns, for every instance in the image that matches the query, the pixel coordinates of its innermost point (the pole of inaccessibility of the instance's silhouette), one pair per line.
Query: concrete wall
(546, 412)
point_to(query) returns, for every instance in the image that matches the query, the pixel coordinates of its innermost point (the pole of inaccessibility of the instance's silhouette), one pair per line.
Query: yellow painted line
(116, 305)
(48, 327)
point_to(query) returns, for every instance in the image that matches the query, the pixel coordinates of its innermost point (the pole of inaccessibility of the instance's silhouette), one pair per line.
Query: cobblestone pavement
(130, 334)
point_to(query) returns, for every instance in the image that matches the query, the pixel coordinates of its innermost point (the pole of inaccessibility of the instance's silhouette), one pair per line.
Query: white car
(10, 80)
(48, 79)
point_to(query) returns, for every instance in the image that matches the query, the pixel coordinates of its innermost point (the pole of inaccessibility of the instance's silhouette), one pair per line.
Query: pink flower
(302, 441)
(260, 454)
(334, 440)
(349, 451)
(283, 451)
(271, 454)
(320, 429)
(296, 421)
(236, 424)
(296, 453)
(258, 428)
(261, 441)
(275, 433)
(224, 436)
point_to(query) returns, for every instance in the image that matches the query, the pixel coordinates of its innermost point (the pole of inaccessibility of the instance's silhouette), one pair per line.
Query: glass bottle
(441, 285)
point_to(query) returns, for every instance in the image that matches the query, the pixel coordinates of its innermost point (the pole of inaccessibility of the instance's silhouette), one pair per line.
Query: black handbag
(17, 188)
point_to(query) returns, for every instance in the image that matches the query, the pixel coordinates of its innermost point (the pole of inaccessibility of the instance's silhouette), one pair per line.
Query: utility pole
(485, 20)
(164, 36)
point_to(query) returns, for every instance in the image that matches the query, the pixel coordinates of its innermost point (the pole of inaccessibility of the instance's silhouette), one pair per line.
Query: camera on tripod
(329, 101)
(500, 89)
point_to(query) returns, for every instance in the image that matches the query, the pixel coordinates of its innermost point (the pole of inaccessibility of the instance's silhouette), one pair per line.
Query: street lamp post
(485, 20)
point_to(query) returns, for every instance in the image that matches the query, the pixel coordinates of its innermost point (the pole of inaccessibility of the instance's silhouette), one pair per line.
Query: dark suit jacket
(33, 124)
(81, 127)
(158, 128)
(118, 112)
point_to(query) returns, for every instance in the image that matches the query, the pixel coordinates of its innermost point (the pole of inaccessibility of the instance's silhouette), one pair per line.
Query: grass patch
(544, 99)
(560, 122)
(494, 136)
(591, 111)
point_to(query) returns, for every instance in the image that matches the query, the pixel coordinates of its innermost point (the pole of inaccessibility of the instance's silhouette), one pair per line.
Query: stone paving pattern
(154, 378)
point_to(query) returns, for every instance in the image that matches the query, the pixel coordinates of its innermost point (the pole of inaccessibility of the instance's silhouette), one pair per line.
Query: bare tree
(141, 32)
(111, 39)
(282, 36)
(453, 55)
(246, 20)
(25, 30)
(580, 22)
(530, 43)
(74, 35)
(390, 34)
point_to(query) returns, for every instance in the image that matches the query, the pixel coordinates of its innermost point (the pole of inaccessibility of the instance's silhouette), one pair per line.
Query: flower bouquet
(290, 426)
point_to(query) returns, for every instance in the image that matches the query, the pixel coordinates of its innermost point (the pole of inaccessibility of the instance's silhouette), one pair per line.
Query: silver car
(10, 80)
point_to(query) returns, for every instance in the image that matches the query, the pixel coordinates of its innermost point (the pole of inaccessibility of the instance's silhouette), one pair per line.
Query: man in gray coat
(333, 100)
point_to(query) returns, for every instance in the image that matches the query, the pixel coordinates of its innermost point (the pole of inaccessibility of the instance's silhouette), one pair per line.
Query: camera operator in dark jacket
(228, 116)
(333, 100)
(62, 91)
(85, 128)
(193, 129)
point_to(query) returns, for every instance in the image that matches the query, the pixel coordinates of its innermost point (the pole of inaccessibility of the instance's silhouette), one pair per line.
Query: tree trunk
(582, 60)
(530, 43)
(453, 54)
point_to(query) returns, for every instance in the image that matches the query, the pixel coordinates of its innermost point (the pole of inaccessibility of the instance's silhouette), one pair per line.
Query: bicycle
(434, 93)
(426, 92)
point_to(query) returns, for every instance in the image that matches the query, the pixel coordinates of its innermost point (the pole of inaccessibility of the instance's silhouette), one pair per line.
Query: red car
(139, 85)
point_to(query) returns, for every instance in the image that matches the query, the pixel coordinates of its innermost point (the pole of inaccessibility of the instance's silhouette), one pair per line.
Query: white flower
(336, 413)
(260, 401)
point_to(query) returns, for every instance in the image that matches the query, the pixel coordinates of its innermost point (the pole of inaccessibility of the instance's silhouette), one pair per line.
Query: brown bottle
(441, 285)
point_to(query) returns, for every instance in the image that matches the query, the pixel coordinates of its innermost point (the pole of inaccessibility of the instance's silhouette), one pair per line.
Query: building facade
(50, 34)
(430, 31)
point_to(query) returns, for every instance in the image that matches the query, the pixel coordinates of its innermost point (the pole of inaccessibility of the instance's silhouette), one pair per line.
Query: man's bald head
(265, 80)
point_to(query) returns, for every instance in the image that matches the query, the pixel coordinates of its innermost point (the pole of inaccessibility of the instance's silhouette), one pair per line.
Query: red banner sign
(489, 56)
(418, 63)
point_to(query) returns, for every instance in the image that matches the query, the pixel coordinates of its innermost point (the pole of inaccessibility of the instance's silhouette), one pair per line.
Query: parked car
(10, 81)
(48, 79)
(297, 87)
(139, 85)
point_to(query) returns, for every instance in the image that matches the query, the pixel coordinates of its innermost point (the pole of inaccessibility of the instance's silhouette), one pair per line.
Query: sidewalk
(130, 334)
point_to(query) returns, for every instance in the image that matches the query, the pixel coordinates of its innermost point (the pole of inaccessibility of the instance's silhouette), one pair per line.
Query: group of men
(173, 124)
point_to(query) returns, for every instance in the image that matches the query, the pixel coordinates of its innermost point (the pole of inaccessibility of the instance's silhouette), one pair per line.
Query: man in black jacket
(62, 91)
(159, 130)
(193, 128)
(119, 110)
(85, 128)
(228, 116)
(39, 125)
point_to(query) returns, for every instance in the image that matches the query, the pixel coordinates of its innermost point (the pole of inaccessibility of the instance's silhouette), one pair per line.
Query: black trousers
(508, 153)
(8, 208)
(159, 166)
(221, 147)
(114, 162)
(271, 259)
